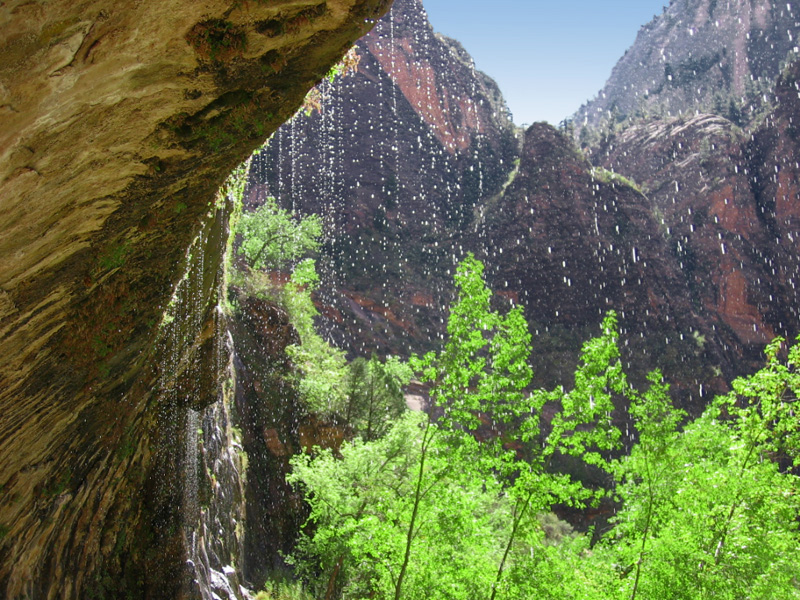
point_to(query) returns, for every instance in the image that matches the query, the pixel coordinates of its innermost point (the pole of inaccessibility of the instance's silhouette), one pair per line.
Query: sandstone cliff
(699, 55)
(571, 242)
(118, 122)
(727, 205)
(396, 162)
(672, 226)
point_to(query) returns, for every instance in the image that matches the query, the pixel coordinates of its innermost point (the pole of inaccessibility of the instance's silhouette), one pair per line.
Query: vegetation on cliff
(455, 504)
(460, 501)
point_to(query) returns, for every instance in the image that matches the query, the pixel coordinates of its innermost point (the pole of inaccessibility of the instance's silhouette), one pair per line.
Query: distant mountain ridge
(717, 56)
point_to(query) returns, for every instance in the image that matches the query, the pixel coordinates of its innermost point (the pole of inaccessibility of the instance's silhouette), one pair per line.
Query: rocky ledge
(118, 123)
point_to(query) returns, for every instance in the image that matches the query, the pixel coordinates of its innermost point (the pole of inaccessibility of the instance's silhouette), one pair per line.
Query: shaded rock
(118, 123)
(275, 426)
(396, 163)
(570, 242)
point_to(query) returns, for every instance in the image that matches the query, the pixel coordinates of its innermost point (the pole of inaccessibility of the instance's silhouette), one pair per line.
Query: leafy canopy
(272, 238)
(397, 516)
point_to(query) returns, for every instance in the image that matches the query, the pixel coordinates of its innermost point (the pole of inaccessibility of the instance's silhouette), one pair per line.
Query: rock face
(396, 162)
(774, 152)
(270, 414)
(275, 426)
(118, 122)
(699, 55)
(699, 176)
(571, 242)
(728, 205)
(683, 225)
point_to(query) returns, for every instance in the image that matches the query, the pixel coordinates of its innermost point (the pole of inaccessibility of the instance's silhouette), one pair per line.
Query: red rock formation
(726, 206)
(697, 176)
(572, 242)
(401, 44)
(395, 162)
(774, 154)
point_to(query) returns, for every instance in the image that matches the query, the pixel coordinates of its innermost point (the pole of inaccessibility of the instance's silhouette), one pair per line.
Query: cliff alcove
(118, 123)
(134, 395)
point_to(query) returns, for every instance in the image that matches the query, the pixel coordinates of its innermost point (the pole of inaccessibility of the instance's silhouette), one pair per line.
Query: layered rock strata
(118, 122)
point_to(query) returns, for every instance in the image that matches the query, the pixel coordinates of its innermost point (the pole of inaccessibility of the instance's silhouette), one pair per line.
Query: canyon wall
(699, 56)
(397, 161)
(682, 225)
(118, 123)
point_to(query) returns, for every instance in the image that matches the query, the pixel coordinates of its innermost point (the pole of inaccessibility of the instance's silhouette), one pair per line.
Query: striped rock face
(118, 122)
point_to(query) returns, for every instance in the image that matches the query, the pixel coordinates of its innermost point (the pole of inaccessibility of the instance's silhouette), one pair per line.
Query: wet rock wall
(118, 123)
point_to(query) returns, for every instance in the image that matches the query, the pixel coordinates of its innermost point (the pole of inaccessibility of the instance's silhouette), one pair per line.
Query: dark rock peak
(570, 242)
(396, 162)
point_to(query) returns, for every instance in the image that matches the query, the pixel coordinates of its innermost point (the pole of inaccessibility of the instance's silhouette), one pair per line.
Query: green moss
(104, 370)
(101, 348)
(127, 445)
(231, 118)
(114, 257)
(3, 532)
(606, 176)
(57, 486)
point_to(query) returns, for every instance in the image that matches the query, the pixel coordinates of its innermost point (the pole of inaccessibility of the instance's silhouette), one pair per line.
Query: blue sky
(548, 57)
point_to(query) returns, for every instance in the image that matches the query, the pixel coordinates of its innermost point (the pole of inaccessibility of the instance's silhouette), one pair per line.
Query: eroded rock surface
(396, 162)
(275, 426)
(699, 56)
(571, 242)
(118, 122)
(727, 204)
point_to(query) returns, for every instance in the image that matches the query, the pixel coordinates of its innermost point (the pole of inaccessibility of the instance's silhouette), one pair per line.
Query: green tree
(361, 505)
(582, 427)
(647, 475)
(273, 238)
(322, 367)
(374, 397)
(708, 512)
(479, 377)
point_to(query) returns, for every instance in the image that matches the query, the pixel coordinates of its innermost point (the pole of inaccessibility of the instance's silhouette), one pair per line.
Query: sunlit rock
(118, 122)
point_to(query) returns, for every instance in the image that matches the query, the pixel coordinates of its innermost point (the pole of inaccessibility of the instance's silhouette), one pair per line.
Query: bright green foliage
(598, 378)
(647, 477)
(766, 404)
(581, 428)
(273, 239)
(279, 588)
(322, 367)
(481, 375)
(453, 508)
(374, 396)
(483, 367)
(479, 378)
(707, 513)
(361, 505)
